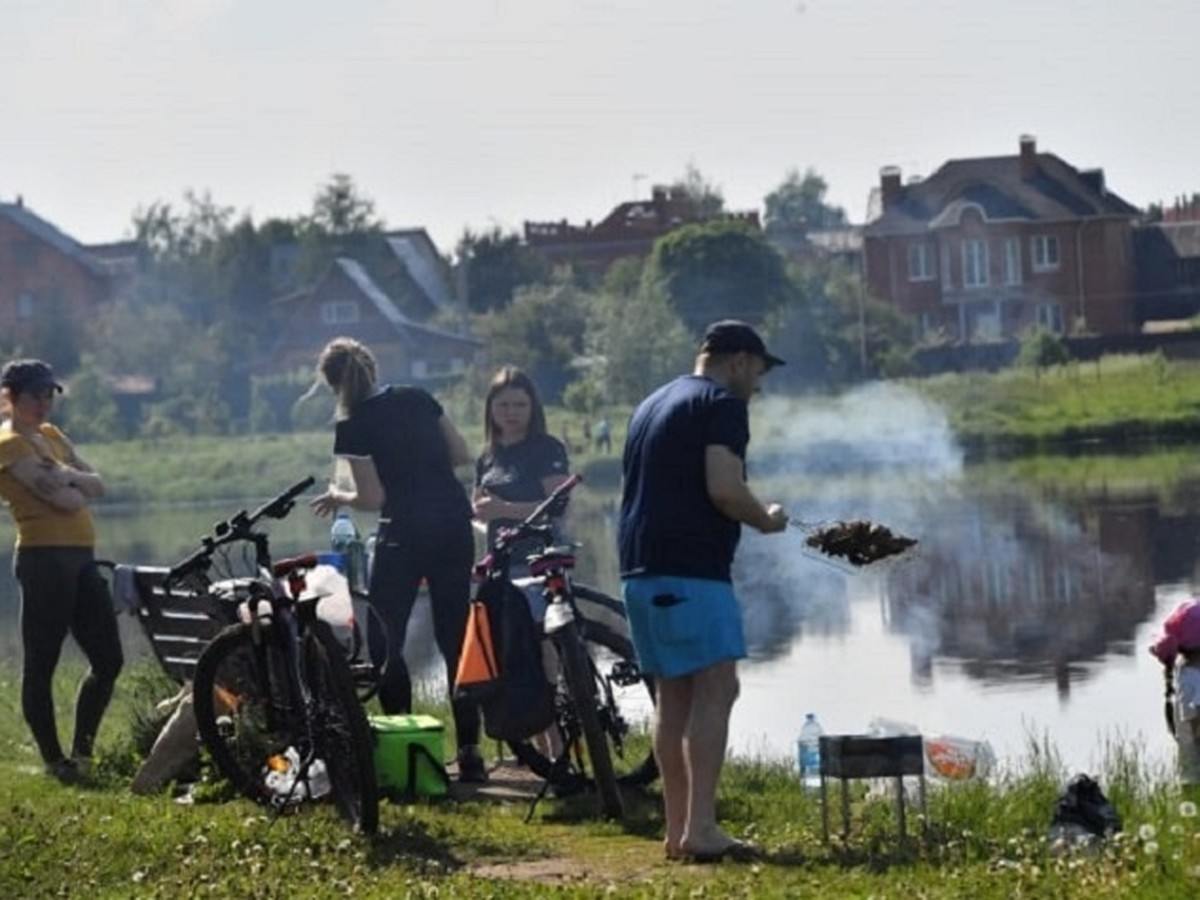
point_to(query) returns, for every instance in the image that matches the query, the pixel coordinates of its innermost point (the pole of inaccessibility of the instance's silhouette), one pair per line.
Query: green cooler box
(408, 755)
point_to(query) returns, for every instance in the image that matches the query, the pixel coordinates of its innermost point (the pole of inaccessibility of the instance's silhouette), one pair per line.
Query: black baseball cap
(28, 374)
(735, 336)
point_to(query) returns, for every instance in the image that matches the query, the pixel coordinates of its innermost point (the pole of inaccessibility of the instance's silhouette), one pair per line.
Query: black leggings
(62, 591)
(443, 556)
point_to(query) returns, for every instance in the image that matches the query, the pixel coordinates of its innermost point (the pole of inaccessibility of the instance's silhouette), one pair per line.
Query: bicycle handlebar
(237, 527)
(554, 505)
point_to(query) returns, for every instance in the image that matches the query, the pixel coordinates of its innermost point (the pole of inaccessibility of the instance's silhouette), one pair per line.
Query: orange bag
(478, 674)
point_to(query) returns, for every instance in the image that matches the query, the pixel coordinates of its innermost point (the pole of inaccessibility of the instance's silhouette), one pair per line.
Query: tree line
(199, 312)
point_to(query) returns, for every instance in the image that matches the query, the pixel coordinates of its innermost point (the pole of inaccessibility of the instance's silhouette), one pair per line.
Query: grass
(981, 839)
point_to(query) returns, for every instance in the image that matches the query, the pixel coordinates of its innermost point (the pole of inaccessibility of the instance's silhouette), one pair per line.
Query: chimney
(1029, 166)
(889, 185)
(1093, 178)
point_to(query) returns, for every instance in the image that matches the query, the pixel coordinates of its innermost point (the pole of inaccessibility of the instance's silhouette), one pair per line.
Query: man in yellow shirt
(48, 489)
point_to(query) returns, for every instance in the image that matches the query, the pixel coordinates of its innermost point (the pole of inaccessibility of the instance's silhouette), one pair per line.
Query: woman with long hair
(401, 450)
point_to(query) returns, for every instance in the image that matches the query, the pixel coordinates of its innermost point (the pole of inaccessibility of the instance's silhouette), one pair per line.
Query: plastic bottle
(344, 538)
(808, 751)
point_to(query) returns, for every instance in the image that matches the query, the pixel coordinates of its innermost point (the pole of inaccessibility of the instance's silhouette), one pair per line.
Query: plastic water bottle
(808, 751)
(342, 533)
(344, 538)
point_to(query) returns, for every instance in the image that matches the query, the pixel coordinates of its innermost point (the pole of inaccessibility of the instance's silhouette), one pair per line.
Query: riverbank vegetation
(980, 839)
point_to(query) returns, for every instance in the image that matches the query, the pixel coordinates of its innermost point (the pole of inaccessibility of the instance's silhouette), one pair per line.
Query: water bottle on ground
(808, 751)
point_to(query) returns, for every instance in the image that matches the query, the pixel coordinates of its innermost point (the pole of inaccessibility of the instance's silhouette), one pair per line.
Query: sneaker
(470, 766)
(65, 771)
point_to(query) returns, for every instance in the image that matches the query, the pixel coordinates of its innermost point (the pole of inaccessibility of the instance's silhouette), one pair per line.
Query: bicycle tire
(342, 734)
(245, 711)
(602, 622)
(580, 676)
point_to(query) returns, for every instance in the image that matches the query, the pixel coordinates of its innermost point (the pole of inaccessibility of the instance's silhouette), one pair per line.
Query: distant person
(683, 502)
(521, 464)
(402, 450)
(1177, 647)
(604, 436)
(48, 489)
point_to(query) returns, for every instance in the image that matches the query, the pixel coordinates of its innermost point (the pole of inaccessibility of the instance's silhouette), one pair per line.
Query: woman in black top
(402, 451)
(520, 464)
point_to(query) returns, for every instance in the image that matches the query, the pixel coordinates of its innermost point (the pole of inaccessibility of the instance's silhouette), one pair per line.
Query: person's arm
(488, 507)
(49, 482)
(456, 445)
(729, 492)
(83, 476)
(366, 493)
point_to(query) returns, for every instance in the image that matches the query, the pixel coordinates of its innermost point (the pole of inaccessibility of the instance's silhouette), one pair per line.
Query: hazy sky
(478, 112)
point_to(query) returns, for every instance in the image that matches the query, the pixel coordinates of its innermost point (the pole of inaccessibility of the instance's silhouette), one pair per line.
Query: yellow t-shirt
(38, 523)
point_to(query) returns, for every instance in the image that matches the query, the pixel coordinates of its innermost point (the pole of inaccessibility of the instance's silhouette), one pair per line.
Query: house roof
(24, 218)
(1183, 237)
(414, 248)
(408, 331)
(994, 185)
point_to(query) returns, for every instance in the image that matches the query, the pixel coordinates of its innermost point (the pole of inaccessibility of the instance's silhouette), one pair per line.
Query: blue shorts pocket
(676, 622)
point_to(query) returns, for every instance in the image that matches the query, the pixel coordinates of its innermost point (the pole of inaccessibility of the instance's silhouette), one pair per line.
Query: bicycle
(274, 694)
(588, 631)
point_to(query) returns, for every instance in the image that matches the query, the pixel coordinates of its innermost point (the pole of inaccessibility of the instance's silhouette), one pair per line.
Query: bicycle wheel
(605, 634)
(246, 711)
(580, 676)
(342, 737)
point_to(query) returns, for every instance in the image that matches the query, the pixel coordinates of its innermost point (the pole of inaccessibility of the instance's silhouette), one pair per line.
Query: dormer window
(339, 312)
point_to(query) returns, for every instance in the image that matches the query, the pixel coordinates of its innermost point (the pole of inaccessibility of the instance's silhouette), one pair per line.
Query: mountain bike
(274, 694)
(598, 679)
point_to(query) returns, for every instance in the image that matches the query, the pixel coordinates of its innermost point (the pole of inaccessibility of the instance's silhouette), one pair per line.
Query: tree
(497, 264)
(634, 345)
(707, 197)
(799, 202)
(339, 208)
(716, 270)
(542, 332)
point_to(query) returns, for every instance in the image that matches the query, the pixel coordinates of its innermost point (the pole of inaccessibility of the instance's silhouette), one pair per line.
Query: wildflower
(1187, 809)
(1151, 848)
(1146, 832)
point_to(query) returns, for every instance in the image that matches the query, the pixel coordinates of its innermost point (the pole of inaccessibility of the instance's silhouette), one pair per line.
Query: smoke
(873, 453)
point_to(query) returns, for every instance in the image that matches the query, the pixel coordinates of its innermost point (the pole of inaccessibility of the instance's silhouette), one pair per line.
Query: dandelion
(1187, 809)
(1146, 832)
(1151, 848)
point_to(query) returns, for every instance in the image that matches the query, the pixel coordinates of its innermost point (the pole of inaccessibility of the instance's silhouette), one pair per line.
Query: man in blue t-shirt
(683, 503)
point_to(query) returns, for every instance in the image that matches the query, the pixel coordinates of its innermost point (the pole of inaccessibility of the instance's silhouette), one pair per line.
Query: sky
(480, 113)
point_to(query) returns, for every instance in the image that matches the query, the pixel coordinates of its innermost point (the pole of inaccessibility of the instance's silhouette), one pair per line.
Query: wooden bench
(179, 624)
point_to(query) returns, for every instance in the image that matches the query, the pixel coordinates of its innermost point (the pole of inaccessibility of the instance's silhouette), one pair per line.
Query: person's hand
(486, 507)
(777, 519)
(325, 504)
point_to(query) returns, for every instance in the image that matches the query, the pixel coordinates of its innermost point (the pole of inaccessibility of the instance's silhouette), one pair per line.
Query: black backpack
(522, 701)
(1083, 804)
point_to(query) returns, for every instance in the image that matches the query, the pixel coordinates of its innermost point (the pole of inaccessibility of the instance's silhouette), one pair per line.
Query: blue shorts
(682, 625)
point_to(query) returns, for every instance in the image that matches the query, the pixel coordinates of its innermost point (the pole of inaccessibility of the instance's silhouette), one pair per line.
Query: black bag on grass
(1082, 805)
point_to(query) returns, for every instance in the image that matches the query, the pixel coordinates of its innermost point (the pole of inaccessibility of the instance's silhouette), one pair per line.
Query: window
(920, 262)
(975, 263)
(1049, 316)
(339, 312)
(1012, 260)
(1044, 250)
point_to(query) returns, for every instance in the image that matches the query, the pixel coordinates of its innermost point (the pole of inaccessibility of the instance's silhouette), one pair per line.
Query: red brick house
(346, 301)
(49, 280)
(630, 230)
(985, 249)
